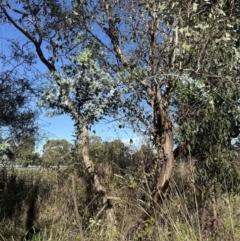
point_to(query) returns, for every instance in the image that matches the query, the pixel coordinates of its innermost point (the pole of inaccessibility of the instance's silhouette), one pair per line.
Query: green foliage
(114, 155)
(153, 63)
(146, 233)
(89, 88)
(15, 115)
(198, 39)
(6, 152)
(96, 149)
(209, 123)
(57, 152)
(24, 150)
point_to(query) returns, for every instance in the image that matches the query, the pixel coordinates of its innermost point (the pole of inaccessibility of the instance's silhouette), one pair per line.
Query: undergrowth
(38, 205)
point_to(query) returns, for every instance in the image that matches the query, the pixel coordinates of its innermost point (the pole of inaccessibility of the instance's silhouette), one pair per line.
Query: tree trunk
(106, 202)
(166, 163)
(164, 143)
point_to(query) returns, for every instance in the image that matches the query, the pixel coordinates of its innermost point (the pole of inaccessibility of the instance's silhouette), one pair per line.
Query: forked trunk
(106, 202)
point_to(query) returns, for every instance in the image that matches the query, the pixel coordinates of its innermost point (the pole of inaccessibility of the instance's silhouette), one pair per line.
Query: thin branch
(16, 25)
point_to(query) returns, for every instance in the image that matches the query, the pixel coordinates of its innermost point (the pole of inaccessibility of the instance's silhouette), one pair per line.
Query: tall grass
(39, 205)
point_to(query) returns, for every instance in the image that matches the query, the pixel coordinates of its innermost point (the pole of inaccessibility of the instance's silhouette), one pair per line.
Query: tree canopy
(56, 152)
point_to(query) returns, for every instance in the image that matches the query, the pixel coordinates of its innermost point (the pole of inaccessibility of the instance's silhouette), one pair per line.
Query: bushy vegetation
(38, 204)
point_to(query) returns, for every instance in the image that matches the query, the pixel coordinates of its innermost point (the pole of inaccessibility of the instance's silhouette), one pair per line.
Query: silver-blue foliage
(91, 90)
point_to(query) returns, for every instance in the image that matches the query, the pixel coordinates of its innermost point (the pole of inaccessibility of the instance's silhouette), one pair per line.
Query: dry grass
(43, 199)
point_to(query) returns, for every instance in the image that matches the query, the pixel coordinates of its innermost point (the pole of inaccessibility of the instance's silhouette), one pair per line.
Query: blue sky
(61, 127)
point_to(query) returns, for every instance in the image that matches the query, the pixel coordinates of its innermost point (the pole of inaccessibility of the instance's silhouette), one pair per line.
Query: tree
(17, 95)
(119, 155)
(56, 152)
(209, 132)
(6, 152)
(145, 158)
(82, 94)
(154, 46)
(17, 117)
(24, 149)
(132, 58)
(96, 148)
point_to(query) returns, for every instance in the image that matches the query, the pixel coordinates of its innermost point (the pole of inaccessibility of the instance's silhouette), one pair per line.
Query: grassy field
(41, 205)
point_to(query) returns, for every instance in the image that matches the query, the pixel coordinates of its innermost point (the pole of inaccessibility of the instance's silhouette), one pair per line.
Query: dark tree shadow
(18, 196)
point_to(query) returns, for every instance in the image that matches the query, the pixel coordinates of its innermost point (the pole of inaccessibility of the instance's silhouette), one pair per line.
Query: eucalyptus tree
(57, 152)
(154, 45)
(24, 149)
(208, 121)
(136, 55)
(75, 85)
